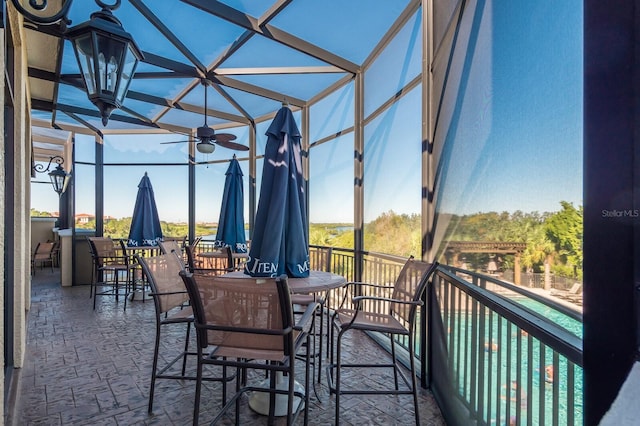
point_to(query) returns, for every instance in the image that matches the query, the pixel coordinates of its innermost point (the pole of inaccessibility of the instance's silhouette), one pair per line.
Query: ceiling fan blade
(163, 143)
(232, 145)
(224, 137)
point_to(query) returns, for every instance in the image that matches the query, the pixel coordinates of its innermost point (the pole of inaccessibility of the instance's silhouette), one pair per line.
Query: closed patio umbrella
(231, 223)
(279, 244)
(145, 223)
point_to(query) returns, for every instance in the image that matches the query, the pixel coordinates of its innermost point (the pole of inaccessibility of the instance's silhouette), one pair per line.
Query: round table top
(316, 282)
(220, 255)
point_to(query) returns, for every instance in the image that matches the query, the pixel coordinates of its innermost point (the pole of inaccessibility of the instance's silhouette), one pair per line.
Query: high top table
(316, 282)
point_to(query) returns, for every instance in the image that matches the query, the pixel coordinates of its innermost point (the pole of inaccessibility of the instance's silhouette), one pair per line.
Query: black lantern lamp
(59, 177)
(107, 56)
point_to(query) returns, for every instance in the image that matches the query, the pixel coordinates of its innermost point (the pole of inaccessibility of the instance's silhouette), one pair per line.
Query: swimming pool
(546, 392)
(571, 325)
(510, 374)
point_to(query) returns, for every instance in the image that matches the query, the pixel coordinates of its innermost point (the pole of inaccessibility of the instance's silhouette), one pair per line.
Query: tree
(37, 213)
(564, 229)
(396, 234)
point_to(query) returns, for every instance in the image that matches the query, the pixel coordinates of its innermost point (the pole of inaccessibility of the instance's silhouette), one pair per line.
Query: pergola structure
(256, 55)
(456, 248)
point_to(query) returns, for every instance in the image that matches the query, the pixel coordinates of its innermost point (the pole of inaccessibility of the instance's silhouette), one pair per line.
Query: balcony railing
(494, 353)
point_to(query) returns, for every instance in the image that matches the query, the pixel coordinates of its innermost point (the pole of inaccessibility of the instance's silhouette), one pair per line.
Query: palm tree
(539, 252)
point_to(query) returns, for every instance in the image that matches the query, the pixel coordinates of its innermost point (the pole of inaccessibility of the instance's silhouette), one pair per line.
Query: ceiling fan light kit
(205, 147)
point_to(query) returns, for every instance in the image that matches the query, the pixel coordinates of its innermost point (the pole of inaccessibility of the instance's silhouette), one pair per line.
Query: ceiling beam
(273, 11)
(335, 86)
(220, 89)
(44, 155)
(35, 122)
(395, 28)
(257, 90)
(211, 112)
(235, 46)
(276, 8)
(39, 104)
(250, 23)
(169, 35)
(156, 100)
(47, 139)
(303, 46)
(278, 70)
(85, 123)
(74, 80)
(158, 75)
(43, 74)
(170, 64)
(59, 59)
(95, 113)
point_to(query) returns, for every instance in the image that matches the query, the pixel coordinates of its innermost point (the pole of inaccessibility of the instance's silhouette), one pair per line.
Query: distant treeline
(551, 238)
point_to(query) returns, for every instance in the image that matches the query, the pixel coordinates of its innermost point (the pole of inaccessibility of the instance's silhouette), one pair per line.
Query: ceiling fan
(206, 137)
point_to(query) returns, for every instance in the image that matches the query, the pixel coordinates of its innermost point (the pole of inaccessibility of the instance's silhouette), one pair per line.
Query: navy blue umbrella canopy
(280, 241)
(145, 223)
(231, 223)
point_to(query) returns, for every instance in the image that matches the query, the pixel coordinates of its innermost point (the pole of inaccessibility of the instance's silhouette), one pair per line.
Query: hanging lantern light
(58, 176)
(107, 56)
(59, 179)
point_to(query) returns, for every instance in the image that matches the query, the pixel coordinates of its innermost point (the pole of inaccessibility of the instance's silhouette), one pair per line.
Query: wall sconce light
(107, 55)
(59, 178)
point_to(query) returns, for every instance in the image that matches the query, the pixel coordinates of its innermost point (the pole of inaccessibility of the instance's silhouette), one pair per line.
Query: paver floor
(86, 367)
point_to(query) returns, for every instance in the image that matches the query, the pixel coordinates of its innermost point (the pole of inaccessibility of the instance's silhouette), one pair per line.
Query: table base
(259, 401)
(140, 295)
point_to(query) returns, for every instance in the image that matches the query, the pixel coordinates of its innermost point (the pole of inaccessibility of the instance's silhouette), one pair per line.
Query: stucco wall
(15, 213)
(2, 227)
(21, 210)
(41, 230)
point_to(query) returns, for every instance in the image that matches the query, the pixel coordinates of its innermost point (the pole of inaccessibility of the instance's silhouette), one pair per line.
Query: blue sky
(516, 143)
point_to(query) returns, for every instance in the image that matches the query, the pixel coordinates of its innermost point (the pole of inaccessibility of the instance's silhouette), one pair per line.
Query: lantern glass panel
(110, 53)
(84, 54)
(57, 181)
(128, 68)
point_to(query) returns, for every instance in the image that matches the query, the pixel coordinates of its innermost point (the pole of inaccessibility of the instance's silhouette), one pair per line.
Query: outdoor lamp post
(107, 56)
(59, 177)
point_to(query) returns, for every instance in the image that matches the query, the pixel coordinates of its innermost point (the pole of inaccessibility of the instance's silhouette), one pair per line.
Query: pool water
(549, 391)
(511, 357)
(571, 325)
